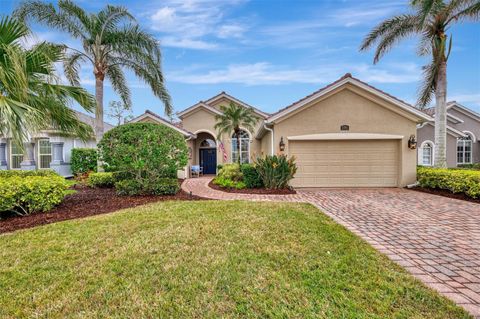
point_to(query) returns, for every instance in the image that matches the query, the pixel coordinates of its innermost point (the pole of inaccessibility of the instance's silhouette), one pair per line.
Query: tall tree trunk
(99, 114)
(441, 116)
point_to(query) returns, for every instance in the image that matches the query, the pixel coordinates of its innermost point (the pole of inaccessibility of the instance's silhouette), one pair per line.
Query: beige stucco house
(347, 134)
(463, 131)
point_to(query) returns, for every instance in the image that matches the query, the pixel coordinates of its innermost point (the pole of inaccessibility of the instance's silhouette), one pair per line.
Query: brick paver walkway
(437, 239)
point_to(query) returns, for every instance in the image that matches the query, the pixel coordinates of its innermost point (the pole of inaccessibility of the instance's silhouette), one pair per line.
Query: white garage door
(345, 163)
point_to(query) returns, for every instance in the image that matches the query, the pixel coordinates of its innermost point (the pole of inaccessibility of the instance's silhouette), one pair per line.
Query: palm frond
(427, 8)
(428, 86)
(469, 10)
(390, 32)
(70, 9)
(71, 67)
(119, 84)
(233, 118)
(30, 98)
(47, 14)
(11, 30)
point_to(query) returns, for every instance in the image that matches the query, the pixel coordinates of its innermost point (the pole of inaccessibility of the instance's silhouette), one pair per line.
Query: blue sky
(270, 53)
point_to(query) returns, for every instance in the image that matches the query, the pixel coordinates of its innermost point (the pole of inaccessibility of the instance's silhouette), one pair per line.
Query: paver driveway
(436, 238)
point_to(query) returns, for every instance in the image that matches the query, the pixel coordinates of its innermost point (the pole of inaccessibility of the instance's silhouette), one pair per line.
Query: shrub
(251, 178)
(276, 171)
(232, 172)
(219, 167)
(145, 150)
(475, 166)
(228, 183)
(83, 160)
(128, 187)
(101, 179)
(160, 186)
(456, 181)
(31, 194)
(18, 173)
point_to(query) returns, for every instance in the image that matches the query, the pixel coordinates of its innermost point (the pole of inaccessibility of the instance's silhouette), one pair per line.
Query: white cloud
(187, 43)
(231, 31)
(365, 13)
(263, 73)
(193, 23)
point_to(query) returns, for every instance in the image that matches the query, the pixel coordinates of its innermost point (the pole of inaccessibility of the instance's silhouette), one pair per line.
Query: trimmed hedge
(83, 160)
(101, 179)
(228, 183)
(19, 173)
(159, 186)
(475, 166)
(251, 178)
(454, 180)
(32, 193)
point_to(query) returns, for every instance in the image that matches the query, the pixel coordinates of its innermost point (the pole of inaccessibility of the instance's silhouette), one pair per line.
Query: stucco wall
(202, 120)
(427, 133)
(470, 125)
(364, 114)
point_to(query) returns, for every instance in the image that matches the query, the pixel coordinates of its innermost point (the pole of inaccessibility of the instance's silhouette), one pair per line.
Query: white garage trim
(344, 136)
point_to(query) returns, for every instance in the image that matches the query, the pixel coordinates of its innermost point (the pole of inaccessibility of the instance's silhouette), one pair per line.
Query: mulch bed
(85, 202)
(261, 191)
(446, 193)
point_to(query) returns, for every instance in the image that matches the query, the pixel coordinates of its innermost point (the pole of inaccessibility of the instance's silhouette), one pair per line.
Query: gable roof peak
(347, 78)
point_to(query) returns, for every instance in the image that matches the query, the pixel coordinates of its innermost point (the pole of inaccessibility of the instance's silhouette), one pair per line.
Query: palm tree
(111, 41)
(430, 20)
(30, 97)
(233, 118)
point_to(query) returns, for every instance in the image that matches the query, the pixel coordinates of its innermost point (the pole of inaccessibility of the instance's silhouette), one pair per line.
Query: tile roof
(176, 124)
(90, 120)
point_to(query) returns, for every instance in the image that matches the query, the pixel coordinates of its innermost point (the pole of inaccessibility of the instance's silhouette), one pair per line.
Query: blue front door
(208, 160)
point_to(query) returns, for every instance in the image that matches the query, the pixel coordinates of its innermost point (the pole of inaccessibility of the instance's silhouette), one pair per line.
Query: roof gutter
(272, 139)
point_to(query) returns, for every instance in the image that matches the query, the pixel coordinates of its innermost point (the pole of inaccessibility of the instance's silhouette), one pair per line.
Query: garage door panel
(372, 163)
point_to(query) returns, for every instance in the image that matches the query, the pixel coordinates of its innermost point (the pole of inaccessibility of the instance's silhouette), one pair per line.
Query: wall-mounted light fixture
(281, 144)
(412, 142)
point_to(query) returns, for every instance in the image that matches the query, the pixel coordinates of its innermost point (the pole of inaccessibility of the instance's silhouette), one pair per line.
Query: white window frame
(40, 155)
(12, 155)
(234, 149)
(463, 142)
(432, 154)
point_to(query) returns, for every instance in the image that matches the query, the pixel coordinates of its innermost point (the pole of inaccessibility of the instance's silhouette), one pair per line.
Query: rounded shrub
(143, 150)
(144, 157)
(27, 194)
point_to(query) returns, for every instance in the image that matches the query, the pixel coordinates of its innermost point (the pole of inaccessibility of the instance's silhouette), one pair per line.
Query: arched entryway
(207, 153)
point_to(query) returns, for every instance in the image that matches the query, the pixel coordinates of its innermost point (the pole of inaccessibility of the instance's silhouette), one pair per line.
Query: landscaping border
(446, 193)
(259, 191)
(86, 202)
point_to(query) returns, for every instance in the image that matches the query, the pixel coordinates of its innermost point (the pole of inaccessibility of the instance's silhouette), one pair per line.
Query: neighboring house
(347, 134)
(47, 149)
(463, 131)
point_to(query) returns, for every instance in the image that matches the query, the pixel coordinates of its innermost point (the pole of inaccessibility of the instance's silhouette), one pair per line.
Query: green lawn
(206, 259)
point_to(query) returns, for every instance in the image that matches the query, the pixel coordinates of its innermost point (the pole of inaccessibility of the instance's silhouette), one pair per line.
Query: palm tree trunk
(441, 116)
(99, 115)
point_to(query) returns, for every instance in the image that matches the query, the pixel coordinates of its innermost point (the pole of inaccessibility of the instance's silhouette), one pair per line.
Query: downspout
(272, 139)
